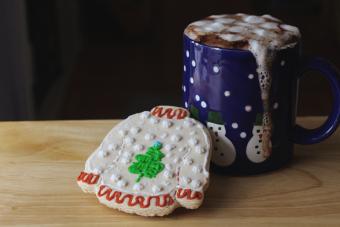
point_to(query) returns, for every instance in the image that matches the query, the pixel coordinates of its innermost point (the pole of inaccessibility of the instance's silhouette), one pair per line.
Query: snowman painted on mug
(224, 152)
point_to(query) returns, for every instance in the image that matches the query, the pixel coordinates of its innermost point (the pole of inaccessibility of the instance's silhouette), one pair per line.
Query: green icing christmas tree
(148, 164)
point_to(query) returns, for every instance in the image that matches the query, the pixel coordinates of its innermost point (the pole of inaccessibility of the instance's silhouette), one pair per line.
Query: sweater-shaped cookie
(151, 163)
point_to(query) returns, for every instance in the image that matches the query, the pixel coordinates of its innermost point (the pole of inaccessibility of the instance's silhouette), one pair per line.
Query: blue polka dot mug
(221, 89)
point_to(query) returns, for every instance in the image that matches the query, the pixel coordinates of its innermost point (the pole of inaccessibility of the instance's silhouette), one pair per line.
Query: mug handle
(310, 136)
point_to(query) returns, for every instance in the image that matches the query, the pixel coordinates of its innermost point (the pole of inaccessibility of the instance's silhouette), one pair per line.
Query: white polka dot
(193, 63)
(234, 125)
(204, 104)
(251, 76)
(227, 93)
(282, 63)
(187, 53)
(248, 108)
(184, 88)
(186, 105)
(216, 69)
(276, 105)
(243, 135)
(197, 97)
(184, 68)
(191, 80)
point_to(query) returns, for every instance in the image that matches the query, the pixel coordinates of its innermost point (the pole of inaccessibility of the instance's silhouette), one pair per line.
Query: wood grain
(39, 163)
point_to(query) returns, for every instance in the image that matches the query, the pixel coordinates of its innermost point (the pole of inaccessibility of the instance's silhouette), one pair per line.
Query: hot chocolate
(263, 36)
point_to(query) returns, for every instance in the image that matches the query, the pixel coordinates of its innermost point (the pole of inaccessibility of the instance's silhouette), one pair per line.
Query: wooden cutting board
(39, 163)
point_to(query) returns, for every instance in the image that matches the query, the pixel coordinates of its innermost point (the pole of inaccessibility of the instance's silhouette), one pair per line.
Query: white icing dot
(248, 108)
(169, 147)
(122, 132)
(98, 170)
(186, 104)
(154, 120)
(135, 130)
(197, 97)
(251, 76)
(227, 93)
(196, 183)
(169, 155)
(243, 135)
(129, 140)
(166, 183)
(282, 63)
(168, 174)
(138, 147)
(188, 123)
(122, 183)
(145, 115)
(193, 141)
(200, 150)
(191, 80)
(127, 154)
(112, 147)
(103, 154)
(184, 88)
(184, 68)
(149, 136)
(187, 161)
(193, 63)
(182, 149)
(115, 177)
(199, 126)
(177, 160)
(234, 125)
(138, 187)
(176, 138)
(166, 123)
(156, 189)
(168, 166)
(192, 133)
(185, 180)
(276, 105)
(197, 169)
(125, 160)
(179, 127)
(204, 104)
(164, 135)
(216, 69)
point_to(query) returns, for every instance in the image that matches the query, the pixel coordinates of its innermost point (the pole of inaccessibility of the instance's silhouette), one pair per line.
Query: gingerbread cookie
(151, 163)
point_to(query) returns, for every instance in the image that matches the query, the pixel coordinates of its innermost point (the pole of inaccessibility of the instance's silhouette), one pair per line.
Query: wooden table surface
(39, 163)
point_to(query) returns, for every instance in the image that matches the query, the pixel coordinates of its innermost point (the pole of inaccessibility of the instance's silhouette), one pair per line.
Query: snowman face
(224, 153)
(254, 148)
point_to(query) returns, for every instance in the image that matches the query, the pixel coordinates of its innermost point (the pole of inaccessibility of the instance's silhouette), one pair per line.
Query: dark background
(85, 59)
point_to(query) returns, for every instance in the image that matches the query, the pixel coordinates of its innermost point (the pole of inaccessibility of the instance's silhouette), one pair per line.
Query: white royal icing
(183, 165)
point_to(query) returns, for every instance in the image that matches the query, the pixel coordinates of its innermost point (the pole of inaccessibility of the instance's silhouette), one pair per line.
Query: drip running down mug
(221, 89)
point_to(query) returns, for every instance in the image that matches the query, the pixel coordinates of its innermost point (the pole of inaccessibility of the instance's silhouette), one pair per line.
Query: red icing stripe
(188, 194)
(88, 178)
(169, 112)
(134, 200)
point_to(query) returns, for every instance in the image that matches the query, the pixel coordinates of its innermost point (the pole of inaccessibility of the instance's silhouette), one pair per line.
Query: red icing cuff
(88, 178)
(188, 194)
(169, 112)
(134, 200)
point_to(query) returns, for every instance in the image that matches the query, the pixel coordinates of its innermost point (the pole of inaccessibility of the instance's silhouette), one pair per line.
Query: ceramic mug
(228, 101)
